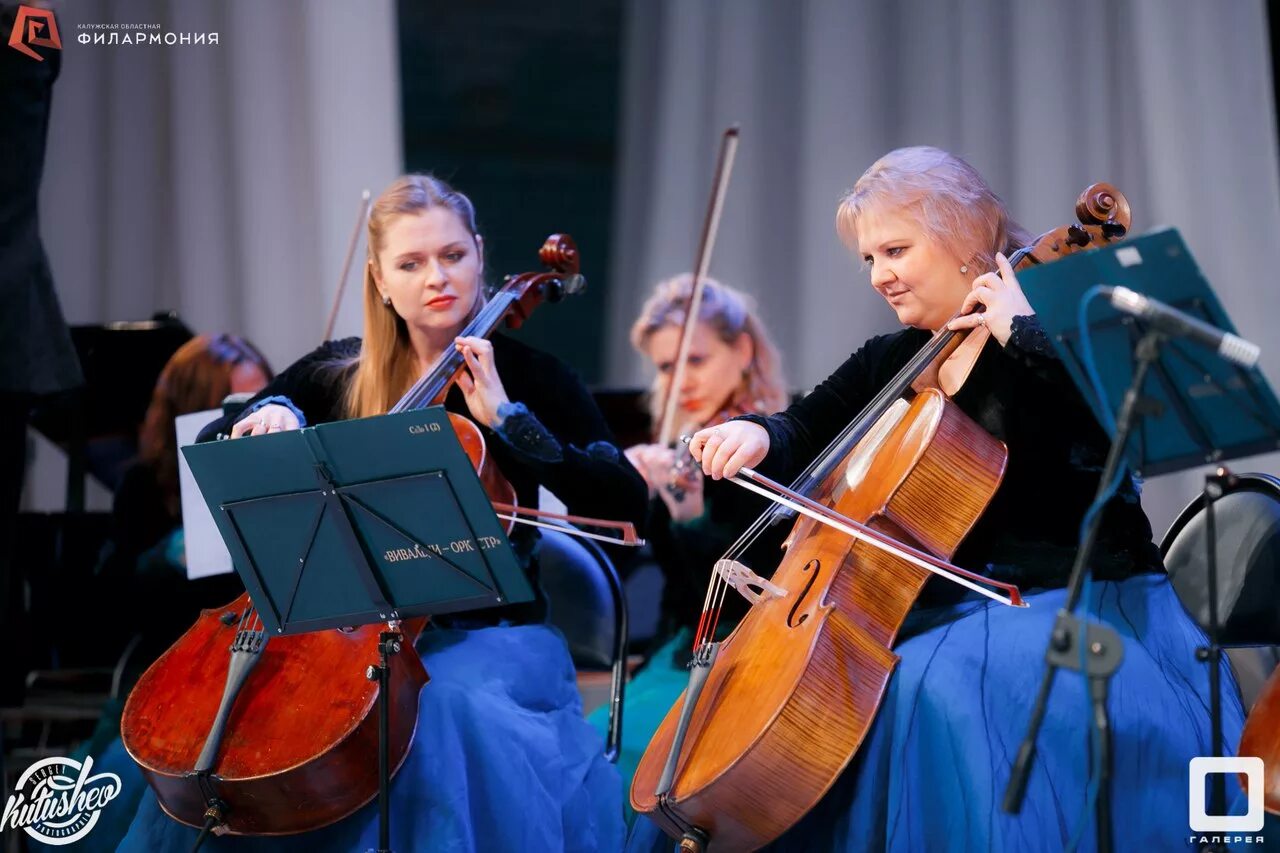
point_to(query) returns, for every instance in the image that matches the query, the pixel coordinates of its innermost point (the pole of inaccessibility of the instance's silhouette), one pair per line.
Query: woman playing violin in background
(732, 368)
(932, 769)
(502, 758)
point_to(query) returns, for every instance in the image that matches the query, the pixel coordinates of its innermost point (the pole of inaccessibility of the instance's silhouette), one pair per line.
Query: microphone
(1171, 321)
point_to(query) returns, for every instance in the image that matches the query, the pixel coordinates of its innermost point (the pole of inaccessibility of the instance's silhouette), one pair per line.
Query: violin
(686, 469)
(775, 712)
(277, 737)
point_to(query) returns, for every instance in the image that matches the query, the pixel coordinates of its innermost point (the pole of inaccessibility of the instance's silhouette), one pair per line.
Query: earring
(386, 300)
(964, 268)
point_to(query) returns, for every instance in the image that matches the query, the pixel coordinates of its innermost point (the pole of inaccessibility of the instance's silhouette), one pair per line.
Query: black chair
(588, 605)
(1247, 526)
(1247, 533)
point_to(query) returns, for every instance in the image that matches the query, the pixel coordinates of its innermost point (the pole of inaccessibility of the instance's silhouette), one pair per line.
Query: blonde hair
(729, 313)
(387, 367)
(952, 202)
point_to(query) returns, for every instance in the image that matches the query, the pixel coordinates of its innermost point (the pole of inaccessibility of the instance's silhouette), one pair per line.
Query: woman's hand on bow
(679, 486)
(725, 449)
(1002, 299)
(270, 418)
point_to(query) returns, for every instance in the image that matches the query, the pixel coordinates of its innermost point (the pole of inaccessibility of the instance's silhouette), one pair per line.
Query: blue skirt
(502, 760)
(932, 772)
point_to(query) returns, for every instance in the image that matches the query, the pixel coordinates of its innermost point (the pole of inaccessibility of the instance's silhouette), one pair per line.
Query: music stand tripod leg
(389, 643)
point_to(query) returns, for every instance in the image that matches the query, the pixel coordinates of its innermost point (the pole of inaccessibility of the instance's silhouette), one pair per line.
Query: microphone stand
(1103, 650)
(1215, 486)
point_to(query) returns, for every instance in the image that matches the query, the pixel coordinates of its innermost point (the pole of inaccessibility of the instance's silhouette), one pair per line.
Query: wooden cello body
(281, 735)
(795, 687)
(296, 755)
(790, 695)
(1261, 737)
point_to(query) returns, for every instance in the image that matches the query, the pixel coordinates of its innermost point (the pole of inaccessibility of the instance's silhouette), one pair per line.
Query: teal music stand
(358, 522)
(353, 523)
(1207, 410)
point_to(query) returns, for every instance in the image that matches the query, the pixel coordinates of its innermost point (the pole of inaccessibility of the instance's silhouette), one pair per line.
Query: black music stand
(97, 423)
(1183, 404)
(355, 523)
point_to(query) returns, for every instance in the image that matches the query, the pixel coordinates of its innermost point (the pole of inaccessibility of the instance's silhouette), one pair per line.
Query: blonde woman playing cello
(932, 770)
(502, 758)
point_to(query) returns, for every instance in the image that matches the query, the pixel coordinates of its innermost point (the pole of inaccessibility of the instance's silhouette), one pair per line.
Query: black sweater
(687, 552)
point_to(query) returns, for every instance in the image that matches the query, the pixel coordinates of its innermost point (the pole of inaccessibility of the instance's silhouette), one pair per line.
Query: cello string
(718, 586)
(423, 390)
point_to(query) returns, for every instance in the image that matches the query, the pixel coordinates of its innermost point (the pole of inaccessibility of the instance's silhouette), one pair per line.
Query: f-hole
(792, 621)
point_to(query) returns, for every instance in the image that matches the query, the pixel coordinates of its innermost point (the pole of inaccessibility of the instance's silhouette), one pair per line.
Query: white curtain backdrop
(1171, 100)
(222, 181)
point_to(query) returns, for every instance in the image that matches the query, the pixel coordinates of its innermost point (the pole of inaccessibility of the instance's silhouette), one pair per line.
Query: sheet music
(206, 552)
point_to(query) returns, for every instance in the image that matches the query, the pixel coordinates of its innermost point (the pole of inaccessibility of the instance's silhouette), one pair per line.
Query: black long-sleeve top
(1022, 394)
(562, 442)
(687, 551)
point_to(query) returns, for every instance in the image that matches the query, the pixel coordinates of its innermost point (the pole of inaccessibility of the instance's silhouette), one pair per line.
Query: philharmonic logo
(57, 802)
(30, 28)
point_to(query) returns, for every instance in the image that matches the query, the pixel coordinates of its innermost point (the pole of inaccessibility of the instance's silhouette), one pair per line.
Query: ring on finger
(982, 319)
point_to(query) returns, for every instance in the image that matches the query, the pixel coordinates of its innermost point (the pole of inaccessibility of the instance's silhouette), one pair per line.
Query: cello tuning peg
(1113, 230)
(1077, 236)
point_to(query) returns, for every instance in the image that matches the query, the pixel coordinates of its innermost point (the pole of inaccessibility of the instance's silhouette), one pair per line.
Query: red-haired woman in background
(147, 549)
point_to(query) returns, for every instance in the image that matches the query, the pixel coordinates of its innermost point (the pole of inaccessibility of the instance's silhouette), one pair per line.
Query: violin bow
(753, 481)
(544, 518)
(361, 219)
(710, 227)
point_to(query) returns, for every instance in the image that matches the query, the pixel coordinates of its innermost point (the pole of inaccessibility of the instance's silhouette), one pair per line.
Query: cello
(277, 737)
(775, 712)
(1261, 737)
